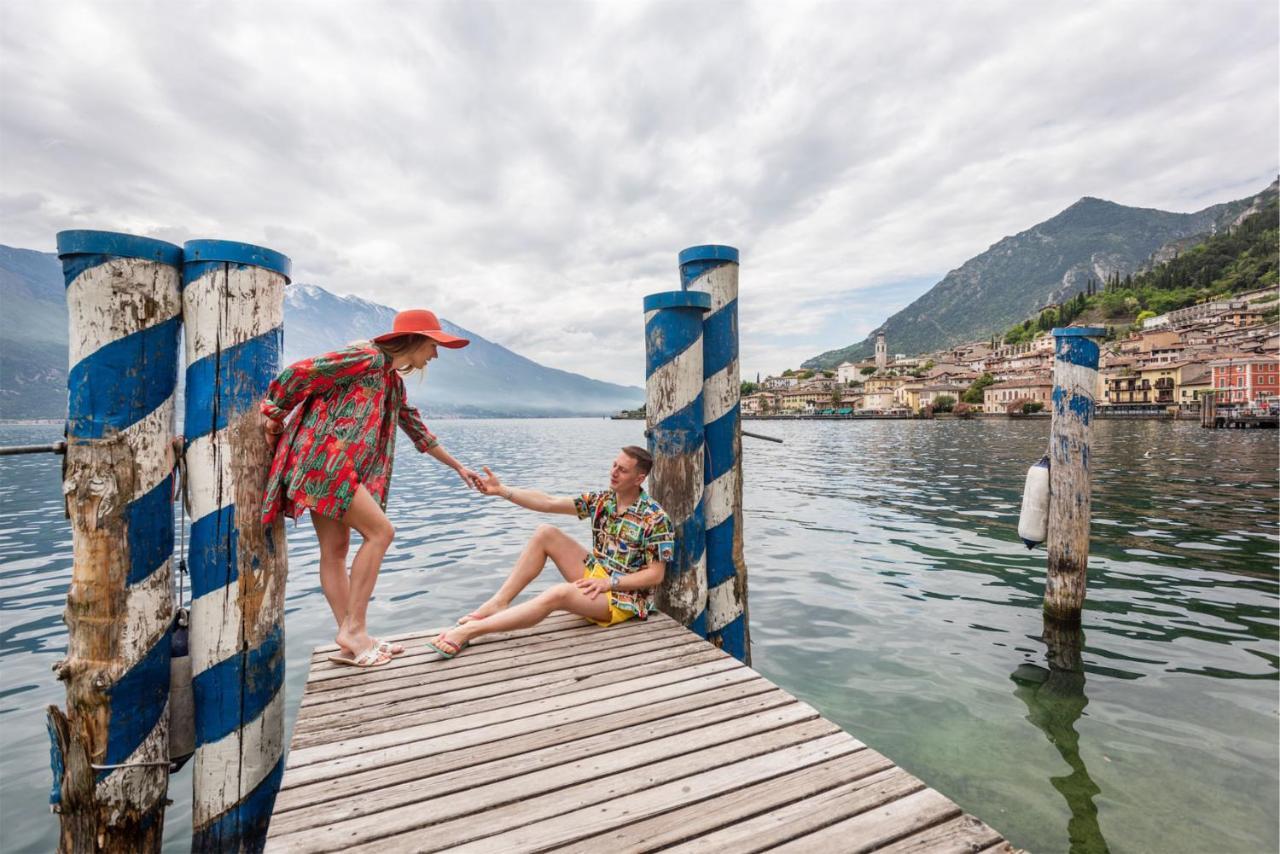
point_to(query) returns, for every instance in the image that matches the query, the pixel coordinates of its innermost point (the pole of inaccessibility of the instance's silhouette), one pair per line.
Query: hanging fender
(182, 721)
(1033, 522)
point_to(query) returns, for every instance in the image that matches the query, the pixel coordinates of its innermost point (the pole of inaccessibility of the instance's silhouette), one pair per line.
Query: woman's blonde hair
(396, 346)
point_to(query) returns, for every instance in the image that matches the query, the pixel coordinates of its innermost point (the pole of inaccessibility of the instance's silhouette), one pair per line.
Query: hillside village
(1159, 364)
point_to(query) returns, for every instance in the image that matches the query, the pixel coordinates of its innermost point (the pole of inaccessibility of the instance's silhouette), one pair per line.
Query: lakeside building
(1003, 396)
(1246, 379)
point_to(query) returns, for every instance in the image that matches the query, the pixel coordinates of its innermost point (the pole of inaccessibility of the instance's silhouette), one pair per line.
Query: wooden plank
(963, 835)
(539, 821)
(554, 786)
(677, 712)
(781, 825)
(878, 827)
(314, 805)
(557, 620)
(545, 822)
(335, 761)
(378, 718)
(698, 818)
(428, 689)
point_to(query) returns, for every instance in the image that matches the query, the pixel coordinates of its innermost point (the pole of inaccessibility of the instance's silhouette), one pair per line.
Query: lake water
(888, 589)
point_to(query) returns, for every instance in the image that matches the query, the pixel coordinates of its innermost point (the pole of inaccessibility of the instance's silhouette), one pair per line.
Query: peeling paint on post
(233, 304)
(673, 416)
(124, 309)
(1075, 376)
(713, 270)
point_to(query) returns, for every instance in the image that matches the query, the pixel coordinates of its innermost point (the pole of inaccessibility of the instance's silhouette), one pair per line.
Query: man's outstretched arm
(530, 499)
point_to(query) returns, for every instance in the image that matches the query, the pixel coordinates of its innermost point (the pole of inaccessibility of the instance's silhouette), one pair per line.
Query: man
(632, 541)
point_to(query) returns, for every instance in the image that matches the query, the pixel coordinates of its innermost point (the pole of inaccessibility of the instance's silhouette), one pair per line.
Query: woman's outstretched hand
(489, 485)
(470, 478)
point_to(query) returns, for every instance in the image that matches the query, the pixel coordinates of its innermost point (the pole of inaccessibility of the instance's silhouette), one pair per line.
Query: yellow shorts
(616, 614)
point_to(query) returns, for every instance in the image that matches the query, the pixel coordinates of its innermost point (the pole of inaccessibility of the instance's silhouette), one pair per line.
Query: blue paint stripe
(677, 299)
(115, 244)
(238, 375)
(74, 265)
(690, 542)
(691, 271)
(720, 565)
(1077, 351)
(719, 436)
(679, 433)
(233, 692)
(667, 335)
(193, 270)
(708, 252)
(214, 561)
(56, 764)
(699, 624)
(733, 637)
(1079, 405)
(150, 530)
(719, 339)
(199, 251)
(137, 699)
(244, 826)
(123, 381)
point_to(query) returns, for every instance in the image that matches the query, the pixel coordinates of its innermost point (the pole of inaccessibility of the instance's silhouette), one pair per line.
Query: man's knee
(545, 533)
(557, 595)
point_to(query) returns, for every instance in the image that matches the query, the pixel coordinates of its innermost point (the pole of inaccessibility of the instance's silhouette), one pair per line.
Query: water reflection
(1055, 700)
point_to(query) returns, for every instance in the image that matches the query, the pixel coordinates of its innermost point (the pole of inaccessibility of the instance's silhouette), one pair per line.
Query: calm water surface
(888, 589)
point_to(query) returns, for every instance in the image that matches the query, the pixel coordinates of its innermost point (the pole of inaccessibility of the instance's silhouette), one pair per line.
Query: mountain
(482, 379)
(1043, 265)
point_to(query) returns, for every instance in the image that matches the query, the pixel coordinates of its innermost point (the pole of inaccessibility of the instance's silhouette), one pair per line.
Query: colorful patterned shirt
(344, 434)
(627, 541)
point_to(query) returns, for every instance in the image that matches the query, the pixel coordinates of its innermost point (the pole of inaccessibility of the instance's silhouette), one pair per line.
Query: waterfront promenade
(530, 742)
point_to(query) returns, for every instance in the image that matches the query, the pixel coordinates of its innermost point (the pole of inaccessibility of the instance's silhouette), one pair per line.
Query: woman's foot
(353, 643)
(390, 648)
(488, 609)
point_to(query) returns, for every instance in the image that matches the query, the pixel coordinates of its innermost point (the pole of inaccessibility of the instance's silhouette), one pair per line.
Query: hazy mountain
(482, 379)
(1045, 264)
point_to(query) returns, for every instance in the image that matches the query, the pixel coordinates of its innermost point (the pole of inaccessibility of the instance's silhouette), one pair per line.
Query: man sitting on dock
(632, 540)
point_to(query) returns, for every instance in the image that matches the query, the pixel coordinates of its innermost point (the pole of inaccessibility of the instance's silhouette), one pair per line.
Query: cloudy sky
(530, 169)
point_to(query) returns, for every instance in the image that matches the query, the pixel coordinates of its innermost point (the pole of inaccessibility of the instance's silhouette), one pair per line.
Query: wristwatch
(613, 582)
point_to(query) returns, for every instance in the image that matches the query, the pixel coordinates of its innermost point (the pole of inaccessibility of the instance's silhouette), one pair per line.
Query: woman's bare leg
(335, 542)
(367, 518)
(562, 597)
(547, 541)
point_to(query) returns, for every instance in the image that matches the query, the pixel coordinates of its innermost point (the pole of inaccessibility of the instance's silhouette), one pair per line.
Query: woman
(335, 460)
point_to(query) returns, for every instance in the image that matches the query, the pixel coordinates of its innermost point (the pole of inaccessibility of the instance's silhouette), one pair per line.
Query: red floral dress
(344, 434)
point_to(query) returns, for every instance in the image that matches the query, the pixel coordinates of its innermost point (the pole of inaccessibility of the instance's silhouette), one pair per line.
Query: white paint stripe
(683, 374)
(717, 501)
(721, 283)
(720, 392)
(227, 770)
(133, 293)
(140, 787)
(149, 604)
(221, 311)
(694, 597)
(151, 441)
(722, 606)
(210, 475)
(215, 628)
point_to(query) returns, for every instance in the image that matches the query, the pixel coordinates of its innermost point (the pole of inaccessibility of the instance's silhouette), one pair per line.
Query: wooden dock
(569, 737)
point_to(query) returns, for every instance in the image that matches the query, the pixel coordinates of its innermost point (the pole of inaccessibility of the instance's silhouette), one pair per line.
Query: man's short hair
(644, 459)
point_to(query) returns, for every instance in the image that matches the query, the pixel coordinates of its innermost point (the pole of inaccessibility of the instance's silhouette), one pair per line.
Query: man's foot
(488, 609)
(449, 643)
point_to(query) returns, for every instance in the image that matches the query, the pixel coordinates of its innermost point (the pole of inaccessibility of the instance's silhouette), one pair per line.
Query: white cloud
(531, 170)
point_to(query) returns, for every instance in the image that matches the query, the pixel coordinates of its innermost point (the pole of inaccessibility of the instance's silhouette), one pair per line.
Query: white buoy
(1033, 522)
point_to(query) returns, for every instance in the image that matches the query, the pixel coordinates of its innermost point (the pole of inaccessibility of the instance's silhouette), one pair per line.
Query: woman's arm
(316, 376)
(470, 478)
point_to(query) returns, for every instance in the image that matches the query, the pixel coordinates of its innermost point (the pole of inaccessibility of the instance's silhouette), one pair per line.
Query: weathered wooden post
(713, 270)
(1075, 376)
(673, 416)
(110, 750)
(233, 304)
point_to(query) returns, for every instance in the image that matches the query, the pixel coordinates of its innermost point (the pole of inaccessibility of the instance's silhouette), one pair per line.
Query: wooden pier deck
(569, 737)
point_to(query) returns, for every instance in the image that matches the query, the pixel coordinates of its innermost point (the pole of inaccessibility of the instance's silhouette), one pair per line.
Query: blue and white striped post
(233, 304)
(713, 270)
(1075, 378)
(673, 416)
(111, 768)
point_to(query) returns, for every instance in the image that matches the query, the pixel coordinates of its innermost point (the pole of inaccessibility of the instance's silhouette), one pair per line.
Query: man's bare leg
(562, 597)
(547, 541)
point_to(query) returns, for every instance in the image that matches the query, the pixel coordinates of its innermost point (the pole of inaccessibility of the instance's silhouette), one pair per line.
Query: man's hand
(593, 587)
(489, 485)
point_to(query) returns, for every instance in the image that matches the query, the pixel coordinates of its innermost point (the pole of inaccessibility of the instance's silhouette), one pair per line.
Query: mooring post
(673, 416)
(110, 751)
(713, 270)
(233, 304)
(1075, 376)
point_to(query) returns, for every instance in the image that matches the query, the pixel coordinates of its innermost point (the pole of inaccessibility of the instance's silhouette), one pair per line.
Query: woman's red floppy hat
(419, 321)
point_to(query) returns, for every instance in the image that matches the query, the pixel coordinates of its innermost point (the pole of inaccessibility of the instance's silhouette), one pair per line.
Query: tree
(1031, 406)
(973, 394)
(943, 403)
(747, 388)
(868, 371)
(837, 396)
